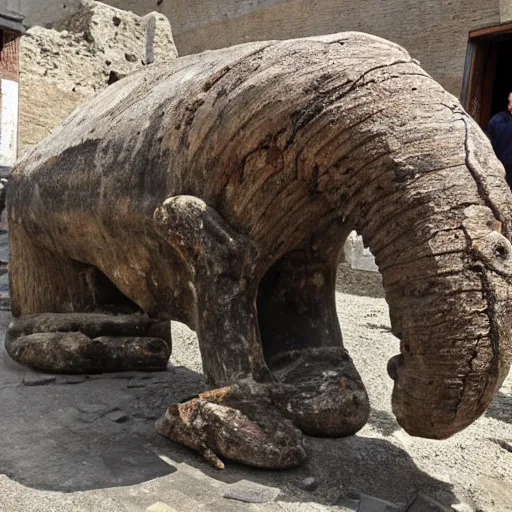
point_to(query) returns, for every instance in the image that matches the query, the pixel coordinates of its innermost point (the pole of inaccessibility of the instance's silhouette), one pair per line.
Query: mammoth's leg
(222, 264)
(319, 387)
(63, 317)
(235, 420)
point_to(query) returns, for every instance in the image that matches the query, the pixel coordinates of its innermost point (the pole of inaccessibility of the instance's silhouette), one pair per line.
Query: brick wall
(434, 31)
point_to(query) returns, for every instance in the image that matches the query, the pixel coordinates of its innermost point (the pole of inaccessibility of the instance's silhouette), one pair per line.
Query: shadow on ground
(74, 433)
(501, 407)
(342, 468)
(71, 433)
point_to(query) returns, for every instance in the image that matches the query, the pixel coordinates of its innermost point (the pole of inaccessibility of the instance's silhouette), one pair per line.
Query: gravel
(94, 439)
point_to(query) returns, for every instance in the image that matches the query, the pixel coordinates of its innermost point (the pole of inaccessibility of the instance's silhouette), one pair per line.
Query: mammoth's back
(228, 126)
(123, 152)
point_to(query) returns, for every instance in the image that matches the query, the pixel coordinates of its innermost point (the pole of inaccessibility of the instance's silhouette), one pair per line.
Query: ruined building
(93, 46)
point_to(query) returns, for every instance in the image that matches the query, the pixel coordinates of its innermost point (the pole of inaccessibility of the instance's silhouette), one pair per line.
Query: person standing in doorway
(499, 130)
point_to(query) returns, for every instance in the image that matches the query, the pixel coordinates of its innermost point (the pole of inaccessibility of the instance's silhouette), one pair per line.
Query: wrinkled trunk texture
(294, 144)
(432, 213)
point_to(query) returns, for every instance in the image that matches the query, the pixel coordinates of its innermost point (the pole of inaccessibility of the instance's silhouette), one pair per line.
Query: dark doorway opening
(488, 73)
(502, 86)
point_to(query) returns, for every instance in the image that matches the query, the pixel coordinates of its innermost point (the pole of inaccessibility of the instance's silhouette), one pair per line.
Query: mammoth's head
(453, 317)
(448, 277)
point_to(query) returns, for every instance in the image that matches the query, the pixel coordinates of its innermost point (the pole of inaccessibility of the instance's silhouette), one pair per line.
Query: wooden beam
(491, 31)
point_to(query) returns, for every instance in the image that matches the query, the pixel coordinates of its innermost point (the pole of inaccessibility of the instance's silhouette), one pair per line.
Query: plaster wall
(8, 122)
(505, 10)
(10, 5)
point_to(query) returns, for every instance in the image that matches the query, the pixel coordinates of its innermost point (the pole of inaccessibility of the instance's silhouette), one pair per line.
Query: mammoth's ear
(197, 231)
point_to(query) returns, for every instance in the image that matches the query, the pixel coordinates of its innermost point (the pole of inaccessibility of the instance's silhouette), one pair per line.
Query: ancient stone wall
(92, 47)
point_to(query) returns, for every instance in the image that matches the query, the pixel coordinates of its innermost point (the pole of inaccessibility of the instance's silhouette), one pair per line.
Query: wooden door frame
(480, 71)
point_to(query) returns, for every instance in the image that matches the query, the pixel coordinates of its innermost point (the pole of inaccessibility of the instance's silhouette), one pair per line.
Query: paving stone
(91, 408)
(309, 483)
(286, 506)
(371, 504)
(227, 505)
(37, 379)
(251, 493)
(348, 504)
(72, 379)
(463, 507)
(201, 489)
(423, 503)
(181, 501)
(117, 416)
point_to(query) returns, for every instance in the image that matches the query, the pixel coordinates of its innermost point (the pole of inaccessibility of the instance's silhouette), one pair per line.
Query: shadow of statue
(501, 407)
(76, 433)
(73, 433)
(342, 468)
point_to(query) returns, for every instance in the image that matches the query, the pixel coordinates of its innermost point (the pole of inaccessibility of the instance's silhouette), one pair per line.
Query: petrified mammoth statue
(219, 192)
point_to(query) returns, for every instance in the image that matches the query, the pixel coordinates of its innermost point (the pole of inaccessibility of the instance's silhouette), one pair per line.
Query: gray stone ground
(88, 443)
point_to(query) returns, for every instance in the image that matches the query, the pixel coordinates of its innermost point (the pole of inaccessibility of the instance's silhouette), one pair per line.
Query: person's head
(509, 106)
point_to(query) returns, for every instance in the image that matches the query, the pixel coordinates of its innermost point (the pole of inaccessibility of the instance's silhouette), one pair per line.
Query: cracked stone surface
(92, 46)
(88, 443)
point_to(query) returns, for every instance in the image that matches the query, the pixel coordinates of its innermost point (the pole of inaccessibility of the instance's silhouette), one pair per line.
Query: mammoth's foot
(237, 424)
(89, 342)
(320, 390)
(317, 391)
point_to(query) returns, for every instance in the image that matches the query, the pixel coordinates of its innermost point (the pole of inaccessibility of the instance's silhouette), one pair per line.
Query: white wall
(8, 122)
(11, 5)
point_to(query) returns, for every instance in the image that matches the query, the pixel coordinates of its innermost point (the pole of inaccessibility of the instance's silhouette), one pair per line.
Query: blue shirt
(499, 131)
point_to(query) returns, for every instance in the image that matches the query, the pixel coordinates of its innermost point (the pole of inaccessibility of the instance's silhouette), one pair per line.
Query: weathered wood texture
(218, 191)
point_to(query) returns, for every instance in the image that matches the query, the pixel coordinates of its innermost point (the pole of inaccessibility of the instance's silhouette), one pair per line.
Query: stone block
(251, 493)
(160, 507)
(357, 255)
(160, 47)
(371, 504)
(423, 503)
(93, 46)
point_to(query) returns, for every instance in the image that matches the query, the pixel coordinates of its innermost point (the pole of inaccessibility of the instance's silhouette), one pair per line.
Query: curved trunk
(424, 189)
(446, 270)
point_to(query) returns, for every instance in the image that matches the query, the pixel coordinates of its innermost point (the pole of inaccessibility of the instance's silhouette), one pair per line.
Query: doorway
(502, 86)
(487, 74)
